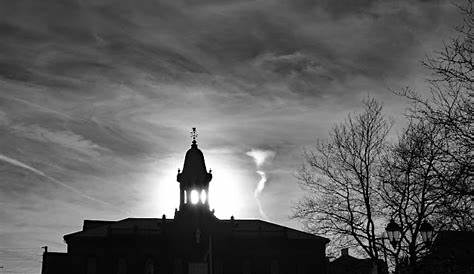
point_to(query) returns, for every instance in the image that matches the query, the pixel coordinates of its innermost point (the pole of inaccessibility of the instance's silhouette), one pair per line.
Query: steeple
(194, 135)
(194, 179)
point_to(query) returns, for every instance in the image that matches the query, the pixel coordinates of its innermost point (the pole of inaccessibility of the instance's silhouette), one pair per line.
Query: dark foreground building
(194, 242)
(349, 264)
(451, 252)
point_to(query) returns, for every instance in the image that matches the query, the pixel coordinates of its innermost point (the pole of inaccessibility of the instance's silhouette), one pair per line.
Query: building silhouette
(349, 264)
(451, 252)
(194, 241)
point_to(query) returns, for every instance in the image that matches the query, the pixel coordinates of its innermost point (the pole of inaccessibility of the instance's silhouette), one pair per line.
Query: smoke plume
(260, 157)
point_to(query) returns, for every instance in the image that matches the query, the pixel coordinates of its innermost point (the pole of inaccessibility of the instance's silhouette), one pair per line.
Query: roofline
(83, 226)
(326, 240)
(105, 222)
(56, 253)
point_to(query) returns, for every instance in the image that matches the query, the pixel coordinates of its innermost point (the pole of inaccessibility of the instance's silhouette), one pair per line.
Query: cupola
(194, 178)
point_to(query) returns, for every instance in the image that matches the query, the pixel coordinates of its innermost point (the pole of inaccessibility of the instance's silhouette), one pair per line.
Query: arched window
(149, 267)
(194, 196)
(274, 268)
(91, 265)
(122, 266)
(203, 196)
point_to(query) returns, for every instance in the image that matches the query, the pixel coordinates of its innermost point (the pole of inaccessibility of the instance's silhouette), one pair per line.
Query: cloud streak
(64, 138)
(42, 174)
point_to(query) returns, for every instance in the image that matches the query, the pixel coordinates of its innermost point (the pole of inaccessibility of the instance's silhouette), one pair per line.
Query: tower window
(194, 196)
(185, 197)
(203, 196)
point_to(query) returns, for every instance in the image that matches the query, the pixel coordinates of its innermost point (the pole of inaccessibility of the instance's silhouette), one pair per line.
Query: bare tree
(356, 182)
(428, 174)
(340, 175)
(449, 108)
(412, 191)
(454, 64)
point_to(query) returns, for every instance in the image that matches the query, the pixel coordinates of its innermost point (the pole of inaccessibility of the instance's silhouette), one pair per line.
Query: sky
(97, 98)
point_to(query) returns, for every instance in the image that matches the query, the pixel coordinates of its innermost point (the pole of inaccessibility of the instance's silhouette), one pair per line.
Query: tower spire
(194, 135)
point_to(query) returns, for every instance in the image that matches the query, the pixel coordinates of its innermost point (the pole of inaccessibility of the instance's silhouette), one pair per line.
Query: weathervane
(194, 135)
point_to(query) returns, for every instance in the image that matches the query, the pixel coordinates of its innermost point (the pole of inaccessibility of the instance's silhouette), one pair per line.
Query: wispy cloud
(64, 138)
(40, 173)
(20, 164)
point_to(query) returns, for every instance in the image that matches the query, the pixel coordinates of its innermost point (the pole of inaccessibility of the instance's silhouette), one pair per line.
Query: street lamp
(393, 232)
(426, 231)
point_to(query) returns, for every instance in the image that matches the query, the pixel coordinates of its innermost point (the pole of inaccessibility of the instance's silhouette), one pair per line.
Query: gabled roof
(348, 259)
(88, 224)
(255, 227)
(244, 228)
(97, 229)
(350, 264)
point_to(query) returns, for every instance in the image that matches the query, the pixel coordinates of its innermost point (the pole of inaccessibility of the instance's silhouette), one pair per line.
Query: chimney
(345, 252)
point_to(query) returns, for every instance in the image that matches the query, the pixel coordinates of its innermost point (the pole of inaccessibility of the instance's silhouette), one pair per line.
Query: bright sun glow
(225, 190)
(194, 197)
(228, 192)
(203, 196)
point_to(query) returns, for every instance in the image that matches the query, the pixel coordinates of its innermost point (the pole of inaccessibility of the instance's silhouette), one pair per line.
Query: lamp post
(426, 231)
(393, 232)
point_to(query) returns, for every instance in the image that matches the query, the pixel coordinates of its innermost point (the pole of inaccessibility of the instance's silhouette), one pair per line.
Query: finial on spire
(194, 135)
